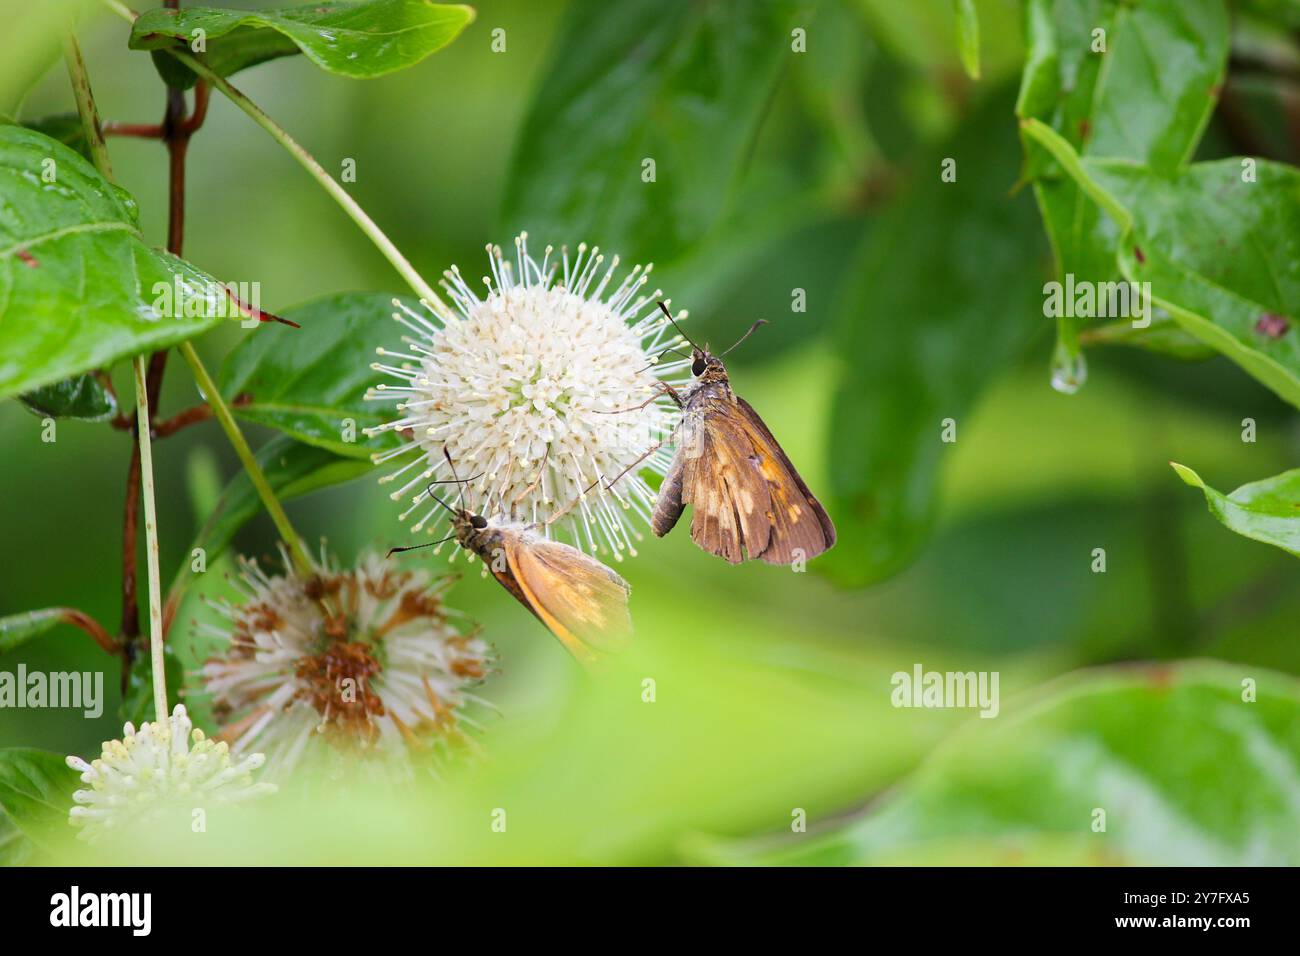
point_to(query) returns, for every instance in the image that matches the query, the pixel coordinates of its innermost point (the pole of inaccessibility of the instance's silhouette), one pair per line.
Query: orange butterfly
(581, 601)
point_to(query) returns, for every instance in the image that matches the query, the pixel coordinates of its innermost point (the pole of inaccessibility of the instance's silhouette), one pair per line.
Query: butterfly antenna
(663, 308)
(417, 547)
(752, 328)
(429, 491)
(452, 465)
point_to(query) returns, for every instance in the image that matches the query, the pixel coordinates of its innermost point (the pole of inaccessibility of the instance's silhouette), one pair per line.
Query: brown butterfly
(581, 601)
(748, 499)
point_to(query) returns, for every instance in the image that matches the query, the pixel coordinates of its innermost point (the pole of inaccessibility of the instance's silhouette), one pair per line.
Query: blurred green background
(773, 687)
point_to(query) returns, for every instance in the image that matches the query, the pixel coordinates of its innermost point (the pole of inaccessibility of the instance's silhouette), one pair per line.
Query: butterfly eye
(478, 521)
(697, 367)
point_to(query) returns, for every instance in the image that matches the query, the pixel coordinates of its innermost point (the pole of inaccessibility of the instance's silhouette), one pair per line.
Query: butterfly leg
(541, 470)
(648, 452)
(663, 389)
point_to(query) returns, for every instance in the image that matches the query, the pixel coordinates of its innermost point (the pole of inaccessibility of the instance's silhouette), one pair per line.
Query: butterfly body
(748, 499)
(581, 601)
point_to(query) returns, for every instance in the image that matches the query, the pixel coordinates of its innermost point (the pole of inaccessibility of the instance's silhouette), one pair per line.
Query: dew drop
(1069, 371)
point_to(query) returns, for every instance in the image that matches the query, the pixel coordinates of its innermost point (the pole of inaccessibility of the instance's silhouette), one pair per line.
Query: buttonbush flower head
(158, 775)
(364, 662)
(542, 393)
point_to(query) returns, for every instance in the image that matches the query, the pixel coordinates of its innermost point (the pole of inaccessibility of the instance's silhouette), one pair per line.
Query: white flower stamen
(156, 773)
(541, 392)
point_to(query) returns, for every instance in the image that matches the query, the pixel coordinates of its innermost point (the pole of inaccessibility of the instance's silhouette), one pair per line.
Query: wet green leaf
(66, 128)
(311, 382)
(83, 396)
(1027, 786)
(1141, 89)
(1267, 510)
(358, 40)
(1219, 244)
(79, 287)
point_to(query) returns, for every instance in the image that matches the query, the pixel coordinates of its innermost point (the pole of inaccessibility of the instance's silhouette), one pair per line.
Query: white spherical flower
(364, 662)
(546, 395)
(155, 777)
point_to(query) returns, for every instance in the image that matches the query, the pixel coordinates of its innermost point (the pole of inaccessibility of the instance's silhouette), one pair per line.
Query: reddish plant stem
(175, 131)
(191, 416)
(85, 622)
(202, 93)
(130, 521)
(177, 138)
(138, 130)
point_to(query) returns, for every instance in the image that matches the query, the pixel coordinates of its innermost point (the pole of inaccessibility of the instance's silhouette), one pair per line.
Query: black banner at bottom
(305, 904)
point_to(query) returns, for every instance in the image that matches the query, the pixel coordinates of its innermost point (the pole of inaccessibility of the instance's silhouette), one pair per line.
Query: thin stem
(308, 162)
(86, 106)
(130, 622)
(191, 416)
(130, 519)
(85, 622)
(240, 444)
(122, 10)
(178, 142)
(151, 542)
(317, 172)
(138, 130)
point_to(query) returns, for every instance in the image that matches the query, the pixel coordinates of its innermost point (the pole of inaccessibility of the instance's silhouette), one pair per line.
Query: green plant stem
(317, 172)
(150, 540)
(309, 163)
(86, 106)
(240, 444)
(122, 10)
(99, 153)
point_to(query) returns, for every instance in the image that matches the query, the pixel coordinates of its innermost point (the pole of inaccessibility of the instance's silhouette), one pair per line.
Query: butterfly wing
(581, 601)
(749, 499)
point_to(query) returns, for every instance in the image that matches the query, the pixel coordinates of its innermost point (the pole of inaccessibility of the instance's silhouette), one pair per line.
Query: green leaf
(82, 396)
(19, 628)
(79, 288)
(1163, 335)
(309, 382)
(1147, 98)
(681, 84)
(1187, 772)
(1267, 510)
(930, 40)
(292, 469)
(1217, 250)
(358, 40)
(968, 36)
(16, 849)
(948, 292)
(30, 44)
(36, 792)
(66, 128)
